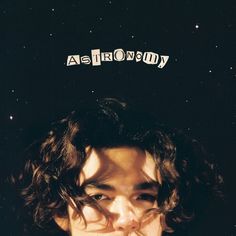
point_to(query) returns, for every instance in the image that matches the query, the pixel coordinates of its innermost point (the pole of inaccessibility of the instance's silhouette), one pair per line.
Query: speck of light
(11, 117)
(197, 26)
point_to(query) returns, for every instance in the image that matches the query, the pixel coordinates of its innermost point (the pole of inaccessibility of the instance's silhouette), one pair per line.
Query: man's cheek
(152, 226)
(94, 219)
(92, 215)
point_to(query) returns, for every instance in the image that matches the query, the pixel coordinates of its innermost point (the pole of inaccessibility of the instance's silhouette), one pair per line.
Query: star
(50, 132)
(11, 117)
(187, 100)
(50, 34)
(231, 68)
(210, 71)
(216, 46)
(100, 18)
(13, 90)
(24, 47)
(90, 31)
(53, 9)
(197, 26)
(132, 36)
(92, 91)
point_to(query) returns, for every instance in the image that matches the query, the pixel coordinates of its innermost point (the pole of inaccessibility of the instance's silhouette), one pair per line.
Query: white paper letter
(150, 58)
(163, 62)
(130, 55)
(138, 56)
(85, 60)
(73, 60)
(119, 54)
(106, 56)
(96, 58)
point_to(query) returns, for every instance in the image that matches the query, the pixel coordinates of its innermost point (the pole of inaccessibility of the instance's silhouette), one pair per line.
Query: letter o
(119, 54)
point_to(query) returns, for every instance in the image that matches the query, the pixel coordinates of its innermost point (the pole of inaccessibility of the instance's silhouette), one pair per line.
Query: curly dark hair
(50, 177)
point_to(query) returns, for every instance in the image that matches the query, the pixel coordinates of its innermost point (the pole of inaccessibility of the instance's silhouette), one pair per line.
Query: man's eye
(100, 197)
(146, 197)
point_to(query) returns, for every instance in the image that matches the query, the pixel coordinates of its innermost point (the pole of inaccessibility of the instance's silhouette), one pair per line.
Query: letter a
(73, 60)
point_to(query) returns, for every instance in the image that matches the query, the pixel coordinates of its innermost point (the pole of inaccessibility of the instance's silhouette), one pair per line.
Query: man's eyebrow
(139, 186)
(101, 186)
(147, 185)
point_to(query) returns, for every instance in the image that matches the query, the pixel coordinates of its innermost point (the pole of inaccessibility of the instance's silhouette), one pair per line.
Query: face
(124, 182)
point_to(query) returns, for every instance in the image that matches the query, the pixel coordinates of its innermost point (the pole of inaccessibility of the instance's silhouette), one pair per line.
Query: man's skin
(124, 181)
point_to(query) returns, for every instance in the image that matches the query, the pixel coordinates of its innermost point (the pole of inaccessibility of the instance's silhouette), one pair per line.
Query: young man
(109, 170)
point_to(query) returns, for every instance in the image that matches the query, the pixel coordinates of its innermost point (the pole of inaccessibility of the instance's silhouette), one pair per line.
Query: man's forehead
(109, 162)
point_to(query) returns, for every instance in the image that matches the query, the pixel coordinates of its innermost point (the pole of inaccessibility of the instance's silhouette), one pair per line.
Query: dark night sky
(194, 91)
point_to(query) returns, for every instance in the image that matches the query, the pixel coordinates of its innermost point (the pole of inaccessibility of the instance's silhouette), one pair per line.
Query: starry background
(195, 91)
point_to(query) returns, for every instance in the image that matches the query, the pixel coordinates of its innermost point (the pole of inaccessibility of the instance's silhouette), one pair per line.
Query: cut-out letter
(73, 60)
(96, 58)
(85, 60)
(138, 56)
(106, 56)
(130, 55)
(150, 58)
(163, 61)
(119, 54)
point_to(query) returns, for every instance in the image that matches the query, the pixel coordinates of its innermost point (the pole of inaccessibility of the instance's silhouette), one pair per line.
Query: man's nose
(124, 218)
